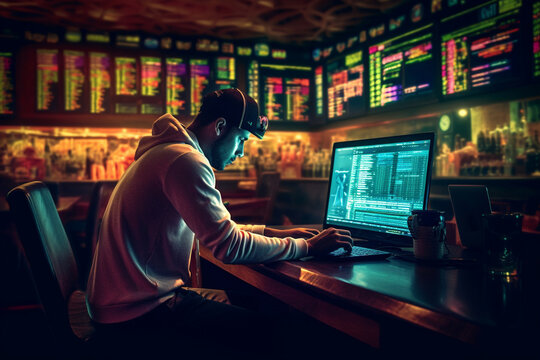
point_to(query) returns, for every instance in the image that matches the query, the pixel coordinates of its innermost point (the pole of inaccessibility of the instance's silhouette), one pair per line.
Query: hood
(166, 129)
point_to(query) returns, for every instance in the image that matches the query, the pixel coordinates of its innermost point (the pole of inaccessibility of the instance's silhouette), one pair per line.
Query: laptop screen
(376, 183)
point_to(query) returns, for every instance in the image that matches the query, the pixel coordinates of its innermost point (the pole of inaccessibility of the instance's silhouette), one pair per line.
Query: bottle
(481, 140)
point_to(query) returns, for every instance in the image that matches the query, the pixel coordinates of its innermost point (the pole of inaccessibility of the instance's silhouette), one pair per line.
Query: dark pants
(196, 322)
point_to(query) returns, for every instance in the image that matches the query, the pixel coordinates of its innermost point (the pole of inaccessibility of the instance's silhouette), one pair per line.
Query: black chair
(55, 274)
(53, 266)
(99, 198)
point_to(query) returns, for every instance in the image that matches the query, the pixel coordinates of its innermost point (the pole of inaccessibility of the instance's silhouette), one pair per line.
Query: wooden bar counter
(393, 302)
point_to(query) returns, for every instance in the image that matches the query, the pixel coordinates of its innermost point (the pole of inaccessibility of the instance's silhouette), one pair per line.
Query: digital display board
(345, 86)
(150, 76)
(225, 72)
(536, 38)
(47, 80)
(152, 109)
(253, 80)
(128, 40)
(74, 78)
(98, 38)
(319, 101)
(273, 97)
(286, 92)
(199, 81)
(297, 98)
(480, 47)
(176, 86)
(126, 76)
(7, 83)
(100, 82)
(402, 68)
(125, 108)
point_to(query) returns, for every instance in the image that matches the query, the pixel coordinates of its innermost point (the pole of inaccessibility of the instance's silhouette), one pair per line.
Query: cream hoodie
(165, 198)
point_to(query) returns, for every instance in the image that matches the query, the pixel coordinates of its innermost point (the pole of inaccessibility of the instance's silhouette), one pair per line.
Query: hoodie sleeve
(190, 186)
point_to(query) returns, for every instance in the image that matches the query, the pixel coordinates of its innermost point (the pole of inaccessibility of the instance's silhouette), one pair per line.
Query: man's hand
(329, 240)
(295, 233)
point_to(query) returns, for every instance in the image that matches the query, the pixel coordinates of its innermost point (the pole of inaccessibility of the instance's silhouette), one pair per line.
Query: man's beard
(219, 160)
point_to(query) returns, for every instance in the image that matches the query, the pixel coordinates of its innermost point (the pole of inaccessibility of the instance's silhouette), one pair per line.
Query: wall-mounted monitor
(151, 75)
(273, 97)
(177, 86)
(253, 80)
(319, 91)
(297, 98)
(128, 40)
(151, 109)
(285, 92)
(74, 80)
(536, 38)
(126, 108)
(480, 47)
(96, 37)
(199, 82)
(47, 80)
(225, 75)
(345, 86)
(100, 82)
(402, 68)
(7, 83)
(126, 75)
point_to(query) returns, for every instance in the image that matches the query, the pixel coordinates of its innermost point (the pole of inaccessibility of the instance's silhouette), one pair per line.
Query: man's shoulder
(176, 149)
(186, 155)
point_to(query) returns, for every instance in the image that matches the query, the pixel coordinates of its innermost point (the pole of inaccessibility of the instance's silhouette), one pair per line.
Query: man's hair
(232, 104)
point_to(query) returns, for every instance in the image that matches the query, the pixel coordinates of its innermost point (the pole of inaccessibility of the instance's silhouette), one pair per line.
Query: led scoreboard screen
(536, 38)
(199, 81)
(253, 80)
(47, 79)
(7, 84)
(273, 94)
(74, 78)
(401, 68)
(319, 101)
(297, 98)
(345, 86)
(126, 76)
(150, 76)
(176, 86)
(480, 47)
(100, 82)
(225, 73)
(285, 91)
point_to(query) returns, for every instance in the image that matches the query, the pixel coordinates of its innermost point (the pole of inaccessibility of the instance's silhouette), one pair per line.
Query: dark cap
(237, 107)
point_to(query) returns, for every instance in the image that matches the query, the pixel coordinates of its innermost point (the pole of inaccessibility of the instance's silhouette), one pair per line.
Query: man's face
(228, 147)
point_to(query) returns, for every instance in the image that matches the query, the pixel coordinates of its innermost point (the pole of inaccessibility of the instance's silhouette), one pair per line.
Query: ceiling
(283, 21)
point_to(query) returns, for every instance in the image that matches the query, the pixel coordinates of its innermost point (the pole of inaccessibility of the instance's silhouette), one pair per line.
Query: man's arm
(319, 243)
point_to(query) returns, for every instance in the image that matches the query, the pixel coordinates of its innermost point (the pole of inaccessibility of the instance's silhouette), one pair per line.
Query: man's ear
(220, 124)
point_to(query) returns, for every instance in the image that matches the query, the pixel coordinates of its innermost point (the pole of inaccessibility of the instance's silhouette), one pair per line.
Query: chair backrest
(48, 251)
(99, 199)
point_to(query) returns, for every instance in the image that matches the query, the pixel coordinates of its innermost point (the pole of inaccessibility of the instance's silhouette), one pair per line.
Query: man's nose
(240, 151)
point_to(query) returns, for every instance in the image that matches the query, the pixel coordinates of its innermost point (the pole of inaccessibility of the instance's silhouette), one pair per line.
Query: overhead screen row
(75, 81)
(91, 85)
(477, 50)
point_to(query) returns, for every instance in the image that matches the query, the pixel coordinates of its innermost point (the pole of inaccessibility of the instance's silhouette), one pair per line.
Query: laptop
(374, 186)
(469, 202)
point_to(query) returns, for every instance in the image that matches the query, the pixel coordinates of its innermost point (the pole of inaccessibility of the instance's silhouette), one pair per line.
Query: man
(165, 198)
